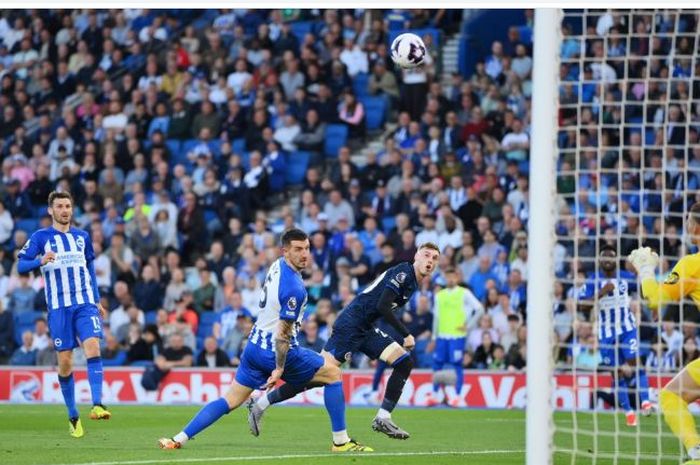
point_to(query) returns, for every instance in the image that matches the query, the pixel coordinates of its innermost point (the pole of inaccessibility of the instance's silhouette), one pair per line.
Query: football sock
(678, 418)
(623, 396)
(334, 399)
(459, 371)
(397, 380)
(642, 385)
(205, 417)
(284, 392)
(68, 389)
(437, 366)
(95, 375)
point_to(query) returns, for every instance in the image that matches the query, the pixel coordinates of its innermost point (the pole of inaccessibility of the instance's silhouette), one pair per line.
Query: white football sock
(383, 413)
(263, 402)
(340, 437)
(180, 437)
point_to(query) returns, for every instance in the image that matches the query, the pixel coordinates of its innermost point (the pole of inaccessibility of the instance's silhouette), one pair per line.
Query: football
(408, 50)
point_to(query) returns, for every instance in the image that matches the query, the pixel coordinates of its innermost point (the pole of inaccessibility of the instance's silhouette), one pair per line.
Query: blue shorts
(449, 350)
(257, 364)
(614, 351)
(346, 340)
(70, 324)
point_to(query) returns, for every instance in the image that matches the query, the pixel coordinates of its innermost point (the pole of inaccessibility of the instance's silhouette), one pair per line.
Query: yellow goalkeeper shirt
(684, 281)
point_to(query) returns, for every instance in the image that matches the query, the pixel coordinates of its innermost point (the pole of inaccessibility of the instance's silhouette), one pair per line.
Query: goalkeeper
(683, 281)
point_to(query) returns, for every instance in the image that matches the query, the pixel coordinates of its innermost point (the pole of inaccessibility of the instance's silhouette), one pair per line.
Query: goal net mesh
(628, 169)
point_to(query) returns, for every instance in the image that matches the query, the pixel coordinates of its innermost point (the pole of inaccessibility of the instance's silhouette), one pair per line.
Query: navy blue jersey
(362, 311)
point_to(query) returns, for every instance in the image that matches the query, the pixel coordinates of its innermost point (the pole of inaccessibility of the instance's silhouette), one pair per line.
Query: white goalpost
(614, 164)
(541, 223)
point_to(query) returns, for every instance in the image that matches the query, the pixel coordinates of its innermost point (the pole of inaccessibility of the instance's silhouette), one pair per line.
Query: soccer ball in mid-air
(408, 50)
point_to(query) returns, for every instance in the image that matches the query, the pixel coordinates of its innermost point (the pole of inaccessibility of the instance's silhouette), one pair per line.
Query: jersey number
(95, 322)
(263, 298)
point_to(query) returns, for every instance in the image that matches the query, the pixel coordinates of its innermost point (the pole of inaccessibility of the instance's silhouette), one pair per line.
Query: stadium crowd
(174, 131)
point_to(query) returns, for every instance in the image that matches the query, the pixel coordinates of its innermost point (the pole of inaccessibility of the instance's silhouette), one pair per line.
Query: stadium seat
(150, 317)
(173, 146)
(297, 162)
(238, 146)
(525, 34)
(336, 137)
(375, 110)
(28, 225)
(300, 29)
(25, 322)
(360, 84)
(388, 223)
(141, 363)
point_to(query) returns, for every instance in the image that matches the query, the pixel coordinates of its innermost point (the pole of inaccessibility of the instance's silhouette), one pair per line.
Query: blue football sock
(459, 370)
(437, 366)
(623, 396)
(381, 366)
(68, 390)
(334, 399)
(642, 385)
(95, 376)
(206, 416)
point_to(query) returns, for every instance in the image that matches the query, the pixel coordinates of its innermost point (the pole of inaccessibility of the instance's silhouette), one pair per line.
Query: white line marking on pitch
(301, 456)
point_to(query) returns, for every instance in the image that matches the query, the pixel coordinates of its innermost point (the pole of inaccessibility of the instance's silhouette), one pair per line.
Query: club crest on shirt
(57, 342)
(401, 277)
(673, 278)
(292, 303)
(80, 243)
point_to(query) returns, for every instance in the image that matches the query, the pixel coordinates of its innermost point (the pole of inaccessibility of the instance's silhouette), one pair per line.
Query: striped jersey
(66, 280)
(614, 314)
(283, 297)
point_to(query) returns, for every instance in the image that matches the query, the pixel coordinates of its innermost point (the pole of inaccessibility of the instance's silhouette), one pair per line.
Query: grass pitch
(38, 434)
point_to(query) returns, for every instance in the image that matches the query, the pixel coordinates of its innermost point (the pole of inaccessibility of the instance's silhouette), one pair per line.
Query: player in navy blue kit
(273, 353)
(355, 330)
(65, 256)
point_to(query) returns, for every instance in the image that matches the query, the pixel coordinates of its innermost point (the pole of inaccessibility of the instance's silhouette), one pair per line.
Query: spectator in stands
(26, 353)
(184, 311)
(22, 297)
(176, 354)
(383, 82)
(517, 354)
(309, 335)
(204, 294)
(40, 337)
(7, 334)
(352, 113)
(112, 354)
(124, 333)
(212, 356)
(147, 347)
(148, 293)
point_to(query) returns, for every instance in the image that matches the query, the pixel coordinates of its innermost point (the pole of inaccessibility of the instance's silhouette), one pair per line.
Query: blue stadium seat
(150, 317)
(388, 223)
(425, 360)
(141, 363)
(173, 146)
(375, 110)
(209, 318)
(28, 225)
(525, 34)
(360, 84)
(336, 137)
(238, 146)
(300, 29)
(649, 136)
(297, 162)
(25, 322)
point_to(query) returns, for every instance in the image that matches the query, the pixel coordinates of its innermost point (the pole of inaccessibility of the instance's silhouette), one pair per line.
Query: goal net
(628, 168)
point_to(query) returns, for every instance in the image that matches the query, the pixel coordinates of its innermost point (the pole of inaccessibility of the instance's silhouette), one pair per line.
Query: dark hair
(59, 195)
(608, 247)
(293, 235)
(430, 245)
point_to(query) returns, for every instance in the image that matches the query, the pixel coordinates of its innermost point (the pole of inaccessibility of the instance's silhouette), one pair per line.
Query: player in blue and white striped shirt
(617, 333)
(65, 257)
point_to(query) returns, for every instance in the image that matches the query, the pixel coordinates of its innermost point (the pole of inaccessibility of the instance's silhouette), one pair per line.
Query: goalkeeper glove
(644, 261)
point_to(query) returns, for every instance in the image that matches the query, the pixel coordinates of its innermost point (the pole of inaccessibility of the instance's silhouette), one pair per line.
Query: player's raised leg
(674, 398)
(209, 414)
(402, 364)
(328, 375)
